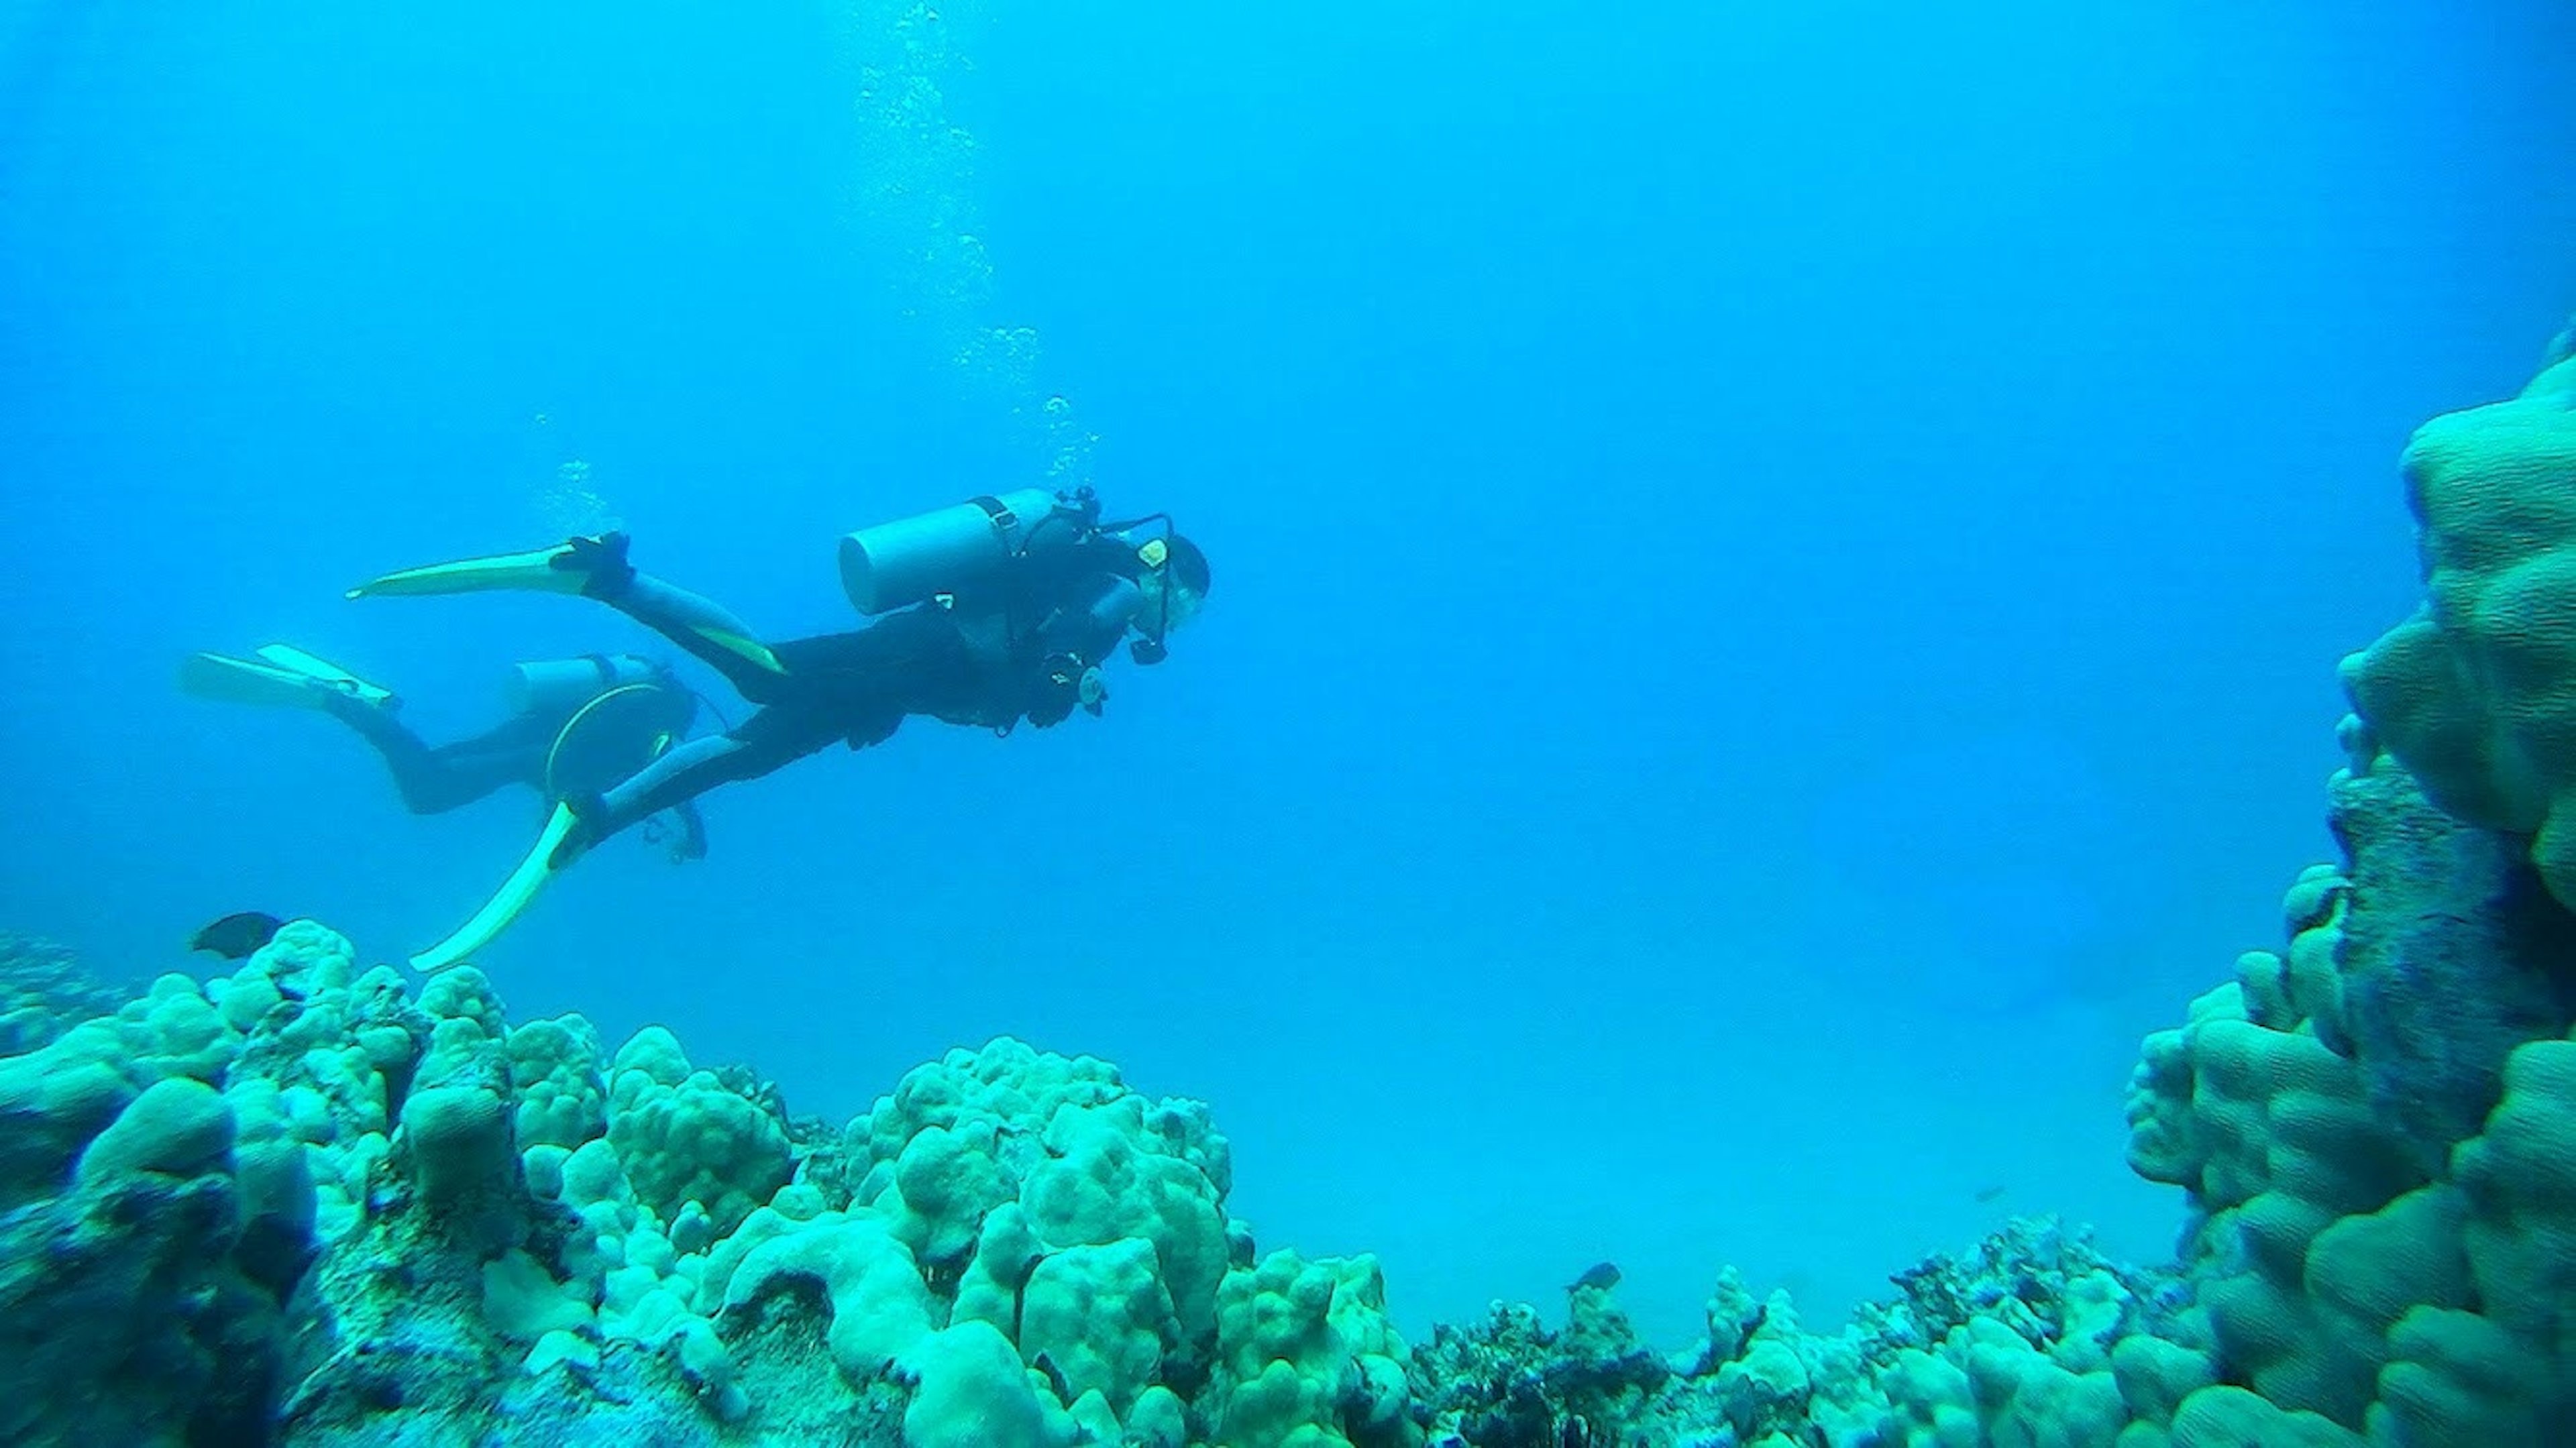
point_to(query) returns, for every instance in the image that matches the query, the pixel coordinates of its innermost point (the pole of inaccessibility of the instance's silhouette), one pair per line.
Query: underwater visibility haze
(1778, 581)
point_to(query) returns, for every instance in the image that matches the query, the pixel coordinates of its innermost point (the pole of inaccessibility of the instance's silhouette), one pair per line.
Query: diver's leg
(511, 752)
(434, 779)
(705, 628)
(680, 775)
(431, 780)
(767, 740)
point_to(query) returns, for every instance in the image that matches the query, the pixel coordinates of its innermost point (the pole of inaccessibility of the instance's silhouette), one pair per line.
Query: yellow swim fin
(535, 570)
(750, 649)
(247, 681)
(516, 895)
(325, 672)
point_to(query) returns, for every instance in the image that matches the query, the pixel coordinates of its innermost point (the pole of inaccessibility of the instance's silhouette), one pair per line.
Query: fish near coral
(1600, 1277)
(238, 936)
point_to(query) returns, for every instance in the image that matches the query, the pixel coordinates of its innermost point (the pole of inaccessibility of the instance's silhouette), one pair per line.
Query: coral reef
(317, 1205)
(2032, 1338)
(2476, 694)
(2363, 1123)
(312, 1204)
(45, 991)
(307, 1204)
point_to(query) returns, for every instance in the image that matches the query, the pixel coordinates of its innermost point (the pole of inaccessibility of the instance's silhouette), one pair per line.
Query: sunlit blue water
(1778, 574)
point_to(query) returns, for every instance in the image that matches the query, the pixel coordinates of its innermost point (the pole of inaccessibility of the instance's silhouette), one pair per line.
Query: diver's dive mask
(1155, 555)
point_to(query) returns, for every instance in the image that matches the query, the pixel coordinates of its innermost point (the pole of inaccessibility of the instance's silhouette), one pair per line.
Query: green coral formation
(305, 1203)
(686, 1140)
(2032, 1339)
(2398, 1275)
(44, 991)
(2476, 694)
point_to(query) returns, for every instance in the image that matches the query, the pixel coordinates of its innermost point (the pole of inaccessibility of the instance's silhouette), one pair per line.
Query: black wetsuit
(436, 778)
(1016, 653)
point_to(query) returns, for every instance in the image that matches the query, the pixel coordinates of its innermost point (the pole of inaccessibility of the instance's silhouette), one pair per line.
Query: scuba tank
(959, 548)
(559, 686)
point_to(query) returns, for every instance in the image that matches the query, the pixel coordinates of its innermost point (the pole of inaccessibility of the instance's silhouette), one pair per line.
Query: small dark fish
(1055, 1378)
(1600, 1276)
(238, 937)
(1988, 1194)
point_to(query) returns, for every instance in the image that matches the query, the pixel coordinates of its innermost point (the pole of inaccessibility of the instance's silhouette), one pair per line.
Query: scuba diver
(575, 726)
(984, 613)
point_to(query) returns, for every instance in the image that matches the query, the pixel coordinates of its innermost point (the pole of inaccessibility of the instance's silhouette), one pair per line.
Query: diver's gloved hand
(1093, 690)
(1058, 690)
(678, 832)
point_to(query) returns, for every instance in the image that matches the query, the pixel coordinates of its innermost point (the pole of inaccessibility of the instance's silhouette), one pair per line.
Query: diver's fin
(517, 893)
(248, 681)
(329, 674)
(741, 647)
(547, 570)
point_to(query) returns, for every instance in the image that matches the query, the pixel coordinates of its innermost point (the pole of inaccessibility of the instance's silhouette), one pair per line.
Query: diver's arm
(1090, 624)
(1073, 641)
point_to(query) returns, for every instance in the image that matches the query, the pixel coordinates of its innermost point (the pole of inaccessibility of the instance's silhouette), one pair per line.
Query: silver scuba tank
(955, 549)
(559, 686)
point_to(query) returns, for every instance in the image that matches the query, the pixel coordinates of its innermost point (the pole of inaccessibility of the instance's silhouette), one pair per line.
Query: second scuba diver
(985, 613)
(575, 726)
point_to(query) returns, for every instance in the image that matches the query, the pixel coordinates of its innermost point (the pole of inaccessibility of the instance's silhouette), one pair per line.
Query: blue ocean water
(1778, 570)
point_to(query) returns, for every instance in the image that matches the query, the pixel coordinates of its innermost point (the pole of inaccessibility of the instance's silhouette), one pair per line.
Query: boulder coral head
(2476, 693)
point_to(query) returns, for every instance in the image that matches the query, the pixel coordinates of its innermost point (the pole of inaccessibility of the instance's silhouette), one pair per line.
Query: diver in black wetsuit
(988, 613)
(575, 726)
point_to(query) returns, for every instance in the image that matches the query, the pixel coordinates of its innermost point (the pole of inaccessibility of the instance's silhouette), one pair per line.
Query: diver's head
(1175, 584)
(1178, 590)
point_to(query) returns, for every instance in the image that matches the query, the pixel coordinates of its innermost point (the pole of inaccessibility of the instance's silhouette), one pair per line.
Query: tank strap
(1006, 524)
(1004, 520)
(1077, 510)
